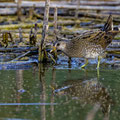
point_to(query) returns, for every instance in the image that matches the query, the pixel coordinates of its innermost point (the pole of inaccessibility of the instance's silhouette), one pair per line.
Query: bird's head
(59, 46)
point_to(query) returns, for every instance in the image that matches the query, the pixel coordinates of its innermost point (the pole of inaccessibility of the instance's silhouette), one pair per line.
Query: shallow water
(51, 93)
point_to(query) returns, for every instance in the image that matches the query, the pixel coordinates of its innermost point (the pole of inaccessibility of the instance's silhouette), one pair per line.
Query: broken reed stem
(55, 22)
(19, 12)
(33, 36)
(20, 35)
(31, 11)
(77, 9)
(45, 22)
(55, 29)
(45, 28)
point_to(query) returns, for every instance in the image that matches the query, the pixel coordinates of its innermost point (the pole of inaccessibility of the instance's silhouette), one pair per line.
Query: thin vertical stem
(45, 28)
(55, 28)
(55, 21)
(19, 13)
(20, 35)
(31, 11)
(77, 9)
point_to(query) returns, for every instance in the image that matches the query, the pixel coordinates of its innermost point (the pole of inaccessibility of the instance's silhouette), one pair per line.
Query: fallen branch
(23, 55)
(20, 49)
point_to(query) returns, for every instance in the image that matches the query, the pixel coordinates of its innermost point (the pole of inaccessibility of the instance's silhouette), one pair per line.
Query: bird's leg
(98, 65)
(86, 63)
(69, 60)
(98, 74)
(69, 63)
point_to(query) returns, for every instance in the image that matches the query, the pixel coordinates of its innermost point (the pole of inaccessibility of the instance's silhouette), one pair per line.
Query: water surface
(55, 93)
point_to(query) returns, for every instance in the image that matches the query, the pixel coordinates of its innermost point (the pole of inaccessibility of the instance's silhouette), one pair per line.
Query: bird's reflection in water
(87, 92)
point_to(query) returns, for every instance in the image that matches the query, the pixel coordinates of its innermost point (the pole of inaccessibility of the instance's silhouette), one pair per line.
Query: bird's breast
(93, 51)
(85, 50)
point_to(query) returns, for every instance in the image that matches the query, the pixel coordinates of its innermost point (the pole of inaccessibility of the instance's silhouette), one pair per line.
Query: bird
(89, 44)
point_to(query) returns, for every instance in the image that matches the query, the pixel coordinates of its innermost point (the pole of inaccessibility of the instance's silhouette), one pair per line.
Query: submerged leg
(98, 65)
(86, 63)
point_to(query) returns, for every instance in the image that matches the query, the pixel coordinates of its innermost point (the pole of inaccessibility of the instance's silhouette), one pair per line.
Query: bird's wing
(85, 36)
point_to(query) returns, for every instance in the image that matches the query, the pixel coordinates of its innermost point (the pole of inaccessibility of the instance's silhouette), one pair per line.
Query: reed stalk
(44, 30)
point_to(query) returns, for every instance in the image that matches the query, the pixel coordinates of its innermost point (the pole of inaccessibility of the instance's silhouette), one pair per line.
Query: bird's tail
(109, 24)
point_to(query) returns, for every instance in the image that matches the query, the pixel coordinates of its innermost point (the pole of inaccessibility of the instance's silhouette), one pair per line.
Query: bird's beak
(53, 50)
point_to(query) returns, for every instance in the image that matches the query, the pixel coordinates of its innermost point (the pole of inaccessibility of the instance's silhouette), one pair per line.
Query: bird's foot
(83, 66)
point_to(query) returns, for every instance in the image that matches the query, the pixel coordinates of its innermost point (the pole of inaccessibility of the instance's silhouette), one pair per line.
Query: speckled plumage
(89, 44)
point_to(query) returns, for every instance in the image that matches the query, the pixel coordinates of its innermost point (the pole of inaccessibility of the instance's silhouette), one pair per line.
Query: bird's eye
(58, 44)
